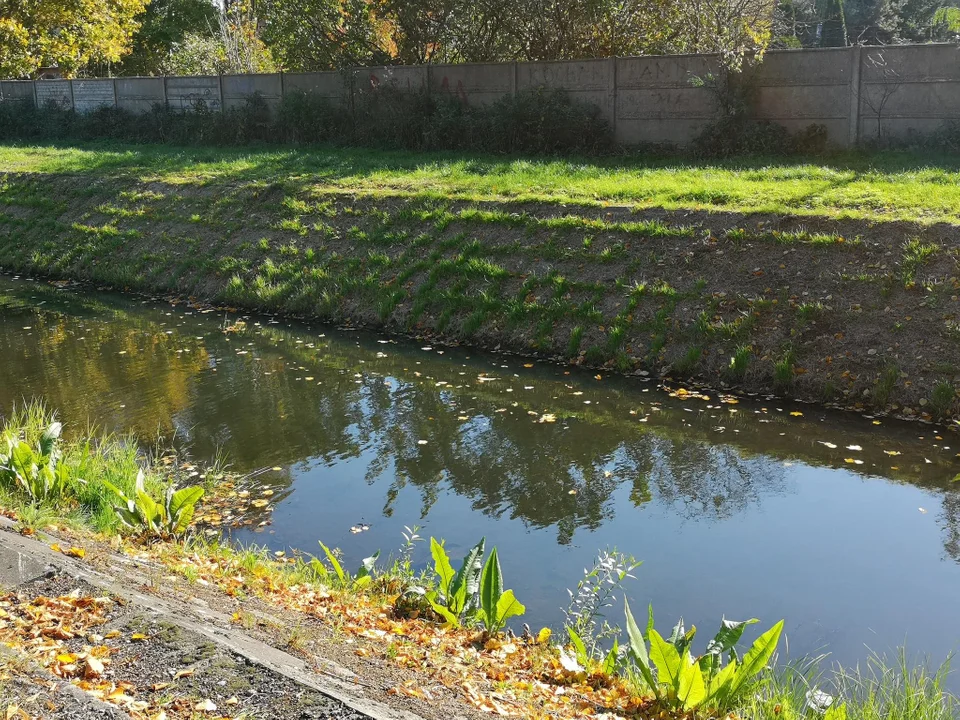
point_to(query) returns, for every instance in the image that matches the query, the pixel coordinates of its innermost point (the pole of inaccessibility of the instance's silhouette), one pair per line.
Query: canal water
(846, 526)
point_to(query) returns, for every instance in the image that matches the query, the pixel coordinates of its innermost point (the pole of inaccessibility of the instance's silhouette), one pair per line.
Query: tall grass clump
(883, 688)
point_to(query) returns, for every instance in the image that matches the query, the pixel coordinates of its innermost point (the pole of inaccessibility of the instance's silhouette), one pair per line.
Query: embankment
(847, 311)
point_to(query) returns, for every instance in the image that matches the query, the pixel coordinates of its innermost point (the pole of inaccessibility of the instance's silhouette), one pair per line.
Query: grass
(883, 688)
(87, 503)
(889, 186)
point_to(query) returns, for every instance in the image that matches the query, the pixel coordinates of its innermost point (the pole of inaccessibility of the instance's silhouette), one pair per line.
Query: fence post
(281, 85)
(116, 102)
(855, 85)
(163, 86)
(613, 95)
(429, 78)
(220, 90)
(73, 103)
(36, 98)
(513, 79)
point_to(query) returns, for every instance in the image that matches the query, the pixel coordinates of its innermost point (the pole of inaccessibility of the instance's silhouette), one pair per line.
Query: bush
(535, 121)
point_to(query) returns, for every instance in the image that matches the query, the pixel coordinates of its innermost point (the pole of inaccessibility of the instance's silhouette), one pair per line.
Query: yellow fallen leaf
(112, 634)
(260, 503)
(543, 637)
(797, 413)
(56, 547)
(277, 468)
(183, 674)
(891, 452)
(138, 637)
(77, 552)
(234, 700)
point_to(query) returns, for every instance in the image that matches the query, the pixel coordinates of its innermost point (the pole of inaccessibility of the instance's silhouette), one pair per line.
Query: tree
(69, 34)
(326, 34)
(163, 27)
(231, 44)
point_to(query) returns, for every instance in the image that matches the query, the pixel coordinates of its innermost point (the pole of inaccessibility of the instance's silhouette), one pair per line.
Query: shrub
(534, 121)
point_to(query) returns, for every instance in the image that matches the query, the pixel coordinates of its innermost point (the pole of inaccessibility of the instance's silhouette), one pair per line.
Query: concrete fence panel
(474, 84)
(329, 85)
(857, 93)
(237, 88)
(184, 93)
(54, 92)
(908, 90)
(659, 100)
(590, 81)
(139, 94)
(92, 94)
(406, 78)
(20, 91)
(797, 89)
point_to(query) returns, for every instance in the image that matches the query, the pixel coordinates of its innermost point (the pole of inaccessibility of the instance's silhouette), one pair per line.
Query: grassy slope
(764, 276)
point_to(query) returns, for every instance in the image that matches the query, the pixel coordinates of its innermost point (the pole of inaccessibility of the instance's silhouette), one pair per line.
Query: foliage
(538, 121)
(168, 517)
(165, 26)
(323, 34)
(496, 604)
(735, 131)
(229, 44)
(683, 682)
(361, 579)
(585, 619)
(69, 34)
(37, 471)
(472, 593)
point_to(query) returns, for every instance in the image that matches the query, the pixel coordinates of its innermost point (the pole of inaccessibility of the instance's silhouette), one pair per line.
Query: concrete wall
(856, 93)
(140, 94)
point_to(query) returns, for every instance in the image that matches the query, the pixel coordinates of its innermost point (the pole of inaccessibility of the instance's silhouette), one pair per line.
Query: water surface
(847, 526)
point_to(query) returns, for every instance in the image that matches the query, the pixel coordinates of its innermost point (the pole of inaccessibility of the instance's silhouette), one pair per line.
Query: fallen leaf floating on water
(548, 418)
(828, 444)
(852, 461)
(797, 413)
(855, 448)
(891, 452)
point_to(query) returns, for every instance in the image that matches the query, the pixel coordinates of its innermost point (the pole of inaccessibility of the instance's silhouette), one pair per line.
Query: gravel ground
(166, 665)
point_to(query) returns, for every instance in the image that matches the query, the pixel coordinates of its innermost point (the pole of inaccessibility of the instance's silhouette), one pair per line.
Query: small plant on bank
(474, 593)
(36, 471)
(361, 579)
(168, 517)
(715, 679)
(942, 398)
(739, 362)
(586, 622)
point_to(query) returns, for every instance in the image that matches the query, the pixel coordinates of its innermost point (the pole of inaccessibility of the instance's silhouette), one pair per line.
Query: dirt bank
(863, 315)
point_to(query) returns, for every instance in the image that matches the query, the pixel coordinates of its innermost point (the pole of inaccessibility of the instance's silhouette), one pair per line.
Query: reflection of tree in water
(413, 431)
(950, 519)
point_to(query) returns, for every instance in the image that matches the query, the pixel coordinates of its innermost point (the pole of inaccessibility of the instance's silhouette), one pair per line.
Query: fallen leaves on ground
(54, 632)
(510, 677)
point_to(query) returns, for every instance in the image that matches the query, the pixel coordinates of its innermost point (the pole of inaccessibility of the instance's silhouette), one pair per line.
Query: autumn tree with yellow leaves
(68, 34)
